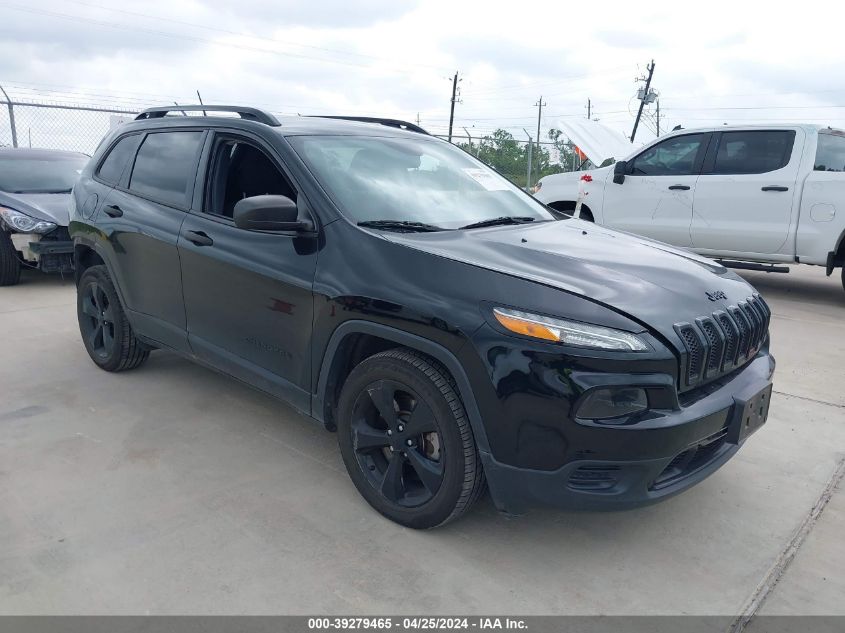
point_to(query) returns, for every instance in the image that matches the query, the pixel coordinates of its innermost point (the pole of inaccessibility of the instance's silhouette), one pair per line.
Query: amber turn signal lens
(527, 328)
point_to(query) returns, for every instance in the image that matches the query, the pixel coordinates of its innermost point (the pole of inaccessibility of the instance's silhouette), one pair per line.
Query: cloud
(325, 13)
(619, 38)
(394, 58)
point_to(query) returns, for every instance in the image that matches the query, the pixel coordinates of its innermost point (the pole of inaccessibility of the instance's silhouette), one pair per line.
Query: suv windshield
(40, 175)
(409, 180)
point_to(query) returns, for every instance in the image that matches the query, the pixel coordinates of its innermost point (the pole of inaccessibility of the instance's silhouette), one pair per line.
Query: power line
(240, 34)
(183, 37)
(543, 83)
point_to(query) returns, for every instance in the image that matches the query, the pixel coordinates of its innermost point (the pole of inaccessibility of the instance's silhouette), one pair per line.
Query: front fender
(406, 339)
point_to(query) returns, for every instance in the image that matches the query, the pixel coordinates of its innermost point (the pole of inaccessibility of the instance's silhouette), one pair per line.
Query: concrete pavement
(171, 489)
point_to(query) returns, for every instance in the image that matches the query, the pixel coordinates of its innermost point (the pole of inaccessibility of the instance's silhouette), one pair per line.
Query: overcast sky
(719, 62)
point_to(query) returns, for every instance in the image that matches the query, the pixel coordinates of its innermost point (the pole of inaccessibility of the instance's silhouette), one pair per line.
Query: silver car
(35, 186)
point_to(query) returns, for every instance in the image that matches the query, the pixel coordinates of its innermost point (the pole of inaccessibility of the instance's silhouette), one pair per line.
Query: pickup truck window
(673, 157)
(830, 154)
(753, 152)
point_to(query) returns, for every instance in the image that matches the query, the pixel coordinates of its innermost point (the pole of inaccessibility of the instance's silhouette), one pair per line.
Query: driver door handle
(198, 237)
(774, 188)
(679, 187)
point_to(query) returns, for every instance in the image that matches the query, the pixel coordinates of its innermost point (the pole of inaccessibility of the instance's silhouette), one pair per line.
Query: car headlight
(568, 332)
(24, 223)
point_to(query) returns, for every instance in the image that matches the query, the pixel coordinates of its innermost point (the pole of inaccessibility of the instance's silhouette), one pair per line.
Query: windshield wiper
(401, 225)
(505, 219)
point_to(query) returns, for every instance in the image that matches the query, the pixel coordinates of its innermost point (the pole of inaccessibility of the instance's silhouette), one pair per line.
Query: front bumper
(690, 444)
(50, 253)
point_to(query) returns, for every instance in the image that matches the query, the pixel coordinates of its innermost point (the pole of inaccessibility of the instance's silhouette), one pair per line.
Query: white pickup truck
(754, 197)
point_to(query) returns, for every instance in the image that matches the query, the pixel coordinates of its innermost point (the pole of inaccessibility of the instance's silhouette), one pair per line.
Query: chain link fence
(57, 126)
(80, 128)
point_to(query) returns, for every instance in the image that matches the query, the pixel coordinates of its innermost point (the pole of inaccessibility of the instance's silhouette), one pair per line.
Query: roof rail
(250, 114)
(397, 123)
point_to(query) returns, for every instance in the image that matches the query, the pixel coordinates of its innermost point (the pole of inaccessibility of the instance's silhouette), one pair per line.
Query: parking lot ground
(172, 489)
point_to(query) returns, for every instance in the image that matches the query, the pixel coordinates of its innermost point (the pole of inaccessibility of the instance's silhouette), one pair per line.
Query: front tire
(10, 267)
(105, 330)
(406, 441)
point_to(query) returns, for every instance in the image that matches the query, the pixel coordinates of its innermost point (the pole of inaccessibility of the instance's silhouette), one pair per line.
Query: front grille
(719, 343)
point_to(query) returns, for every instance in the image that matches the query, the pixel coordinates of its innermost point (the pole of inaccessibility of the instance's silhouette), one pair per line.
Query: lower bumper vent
(692, 459)
(598, 477)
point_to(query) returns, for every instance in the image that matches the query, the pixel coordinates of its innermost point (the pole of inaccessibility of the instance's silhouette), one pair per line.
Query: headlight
(24, 223)
(568, 332)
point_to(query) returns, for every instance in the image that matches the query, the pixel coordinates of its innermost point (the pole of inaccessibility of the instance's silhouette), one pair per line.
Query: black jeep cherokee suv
(446, 324)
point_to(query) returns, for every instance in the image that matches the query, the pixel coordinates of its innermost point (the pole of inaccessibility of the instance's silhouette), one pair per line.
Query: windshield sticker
(486, 179)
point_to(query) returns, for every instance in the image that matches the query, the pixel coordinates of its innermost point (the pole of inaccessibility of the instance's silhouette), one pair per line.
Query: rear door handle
(198, 237)
(679, 187)
(774, 188)
(113, 211)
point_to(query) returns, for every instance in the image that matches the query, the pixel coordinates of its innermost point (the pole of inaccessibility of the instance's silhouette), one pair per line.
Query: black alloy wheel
(106, 332)
(97, 320)
(397, 444)
(406, 440)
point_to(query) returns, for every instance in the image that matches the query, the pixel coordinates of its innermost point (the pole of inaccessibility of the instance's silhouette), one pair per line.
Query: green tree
(509, 156)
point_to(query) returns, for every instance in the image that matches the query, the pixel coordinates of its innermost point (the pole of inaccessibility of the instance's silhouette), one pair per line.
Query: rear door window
(753, 152)
(830, 154)
(165, 167)
(676, 156)
(111, 169)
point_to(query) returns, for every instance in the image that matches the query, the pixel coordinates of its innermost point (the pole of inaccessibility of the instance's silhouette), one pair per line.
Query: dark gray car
(35, 186)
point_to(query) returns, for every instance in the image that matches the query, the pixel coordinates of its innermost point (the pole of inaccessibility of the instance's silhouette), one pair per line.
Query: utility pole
(539, 105)
(588, 108)
(454, 98)
(418, 118)
(643, 100)
(528, 177)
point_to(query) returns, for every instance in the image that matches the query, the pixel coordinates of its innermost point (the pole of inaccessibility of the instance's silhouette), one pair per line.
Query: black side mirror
(620, 168)
(269, 213)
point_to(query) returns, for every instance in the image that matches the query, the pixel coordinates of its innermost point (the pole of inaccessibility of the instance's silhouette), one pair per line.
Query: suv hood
(53, 207)
(654, 283)
(597, 142)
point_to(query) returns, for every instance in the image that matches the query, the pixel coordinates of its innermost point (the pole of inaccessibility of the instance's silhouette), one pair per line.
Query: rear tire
(843, 277)
(406, 440)
(10, 267)
(106, 332)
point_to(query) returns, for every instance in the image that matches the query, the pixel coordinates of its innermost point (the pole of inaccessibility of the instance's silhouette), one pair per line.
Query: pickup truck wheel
(406, 440)
(10, 267)
(105, 330)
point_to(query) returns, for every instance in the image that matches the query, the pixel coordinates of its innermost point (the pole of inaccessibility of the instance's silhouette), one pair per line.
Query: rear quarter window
(111, 169)
(830, 153)
(165, 167)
